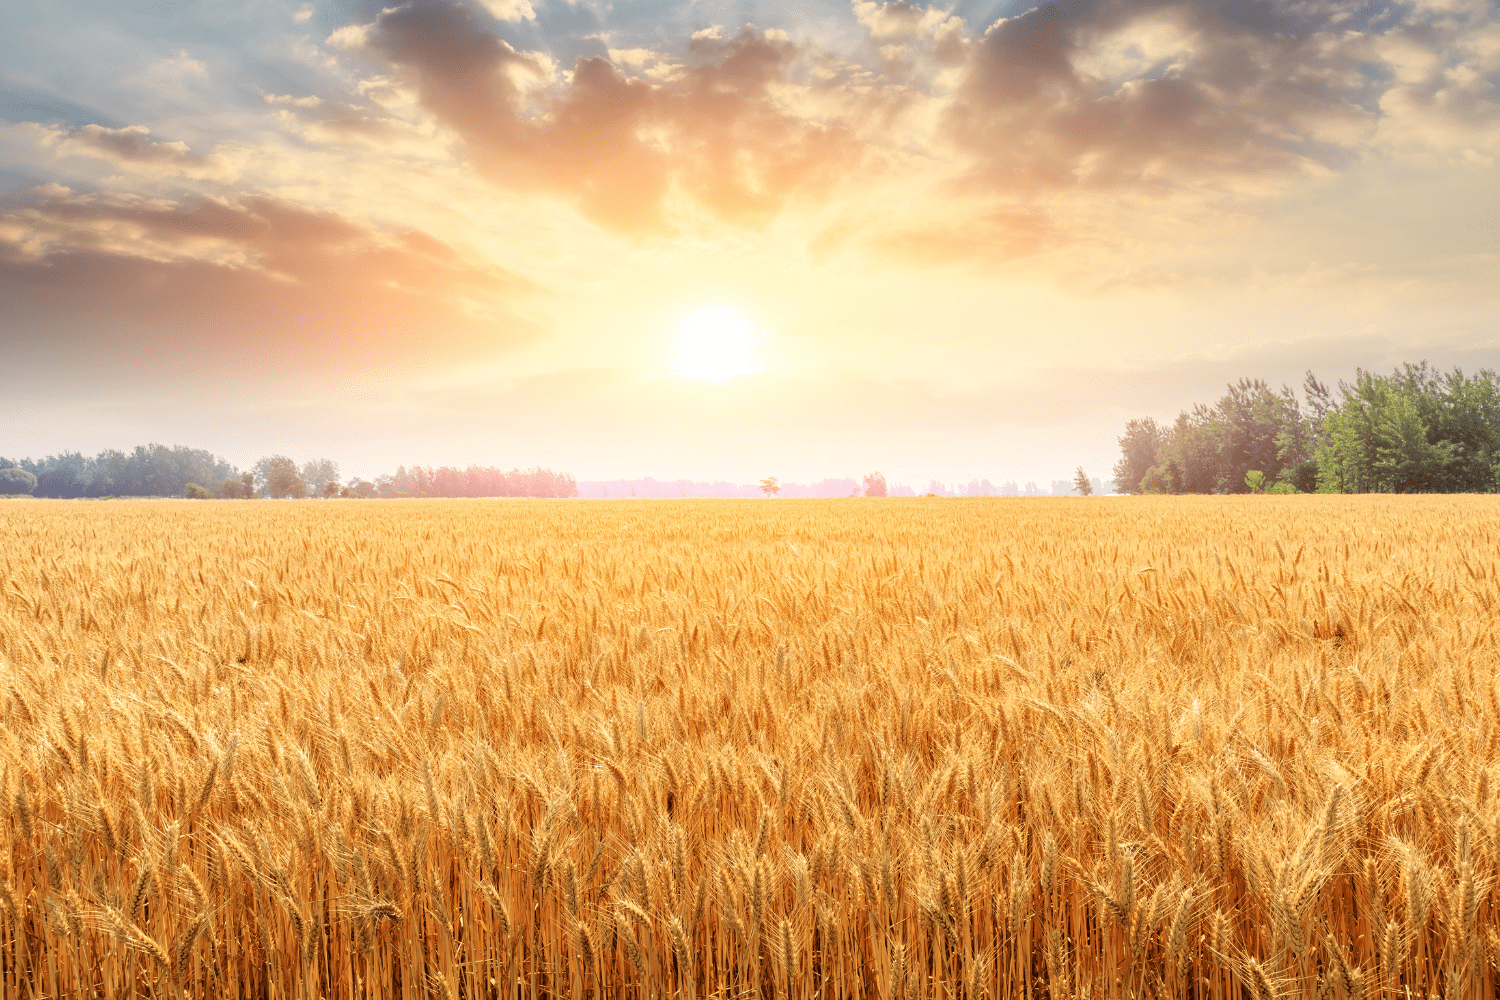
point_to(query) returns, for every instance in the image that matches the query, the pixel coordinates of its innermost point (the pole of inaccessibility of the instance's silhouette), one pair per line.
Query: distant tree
(770, 486)
(318, 473)
(148, 470)
(875, 485)
(1138, 447)
(330, 489)
(1256, 481)
(1081, 484)
(69, 474)
(16, 481)
(192, 491)
(277, 476)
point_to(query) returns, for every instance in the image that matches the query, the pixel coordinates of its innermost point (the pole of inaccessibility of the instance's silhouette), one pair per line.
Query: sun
(717, 343)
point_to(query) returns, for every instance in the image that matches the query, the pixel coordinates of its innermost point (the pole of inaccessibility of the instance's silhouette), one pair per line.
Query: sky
(727, 239)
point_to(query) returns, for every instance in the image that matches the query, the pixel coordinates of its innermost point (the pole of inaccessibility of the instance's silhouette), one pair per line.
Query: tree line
(156, 470)
(1417, 430)
(148, 470)
(475, 481)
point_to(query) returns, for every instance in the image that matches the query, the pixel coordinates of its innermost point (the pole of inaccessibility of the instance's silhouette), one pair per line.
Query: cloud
(510, 10)
(712, 134)
(1161, 94)
(148, 289)
(131, 148)
(1157, 99)
(898, 19)
(1445, 65)
(634, 58)
(286, 100)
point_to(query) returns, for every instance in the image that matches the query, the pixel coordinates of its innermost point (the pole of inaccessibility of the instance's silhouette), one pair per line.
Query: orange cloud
(154, 288)
(619, 147)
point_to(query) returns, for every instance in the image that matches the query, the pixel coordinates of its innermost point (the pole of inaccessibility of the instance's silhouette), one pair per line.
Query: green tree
(1163, 478)
(16, 481)
(1189, 458)
(1406, 460)
(192, 491)
(1209, 449)
(1261, 429)
(1413, 431)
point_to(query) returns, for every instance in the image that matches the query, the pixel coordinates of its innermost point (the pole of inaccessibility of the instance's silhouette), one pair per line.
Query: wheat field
(1207, 747)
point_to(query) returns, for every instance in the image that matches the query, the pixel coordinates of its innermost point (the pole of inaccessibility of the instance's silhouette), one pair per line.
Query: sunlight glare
(717, 343)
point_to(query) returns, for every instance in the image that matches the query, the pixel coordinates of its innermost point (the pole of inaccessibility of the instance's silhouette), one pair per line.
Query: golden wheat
(922, 748)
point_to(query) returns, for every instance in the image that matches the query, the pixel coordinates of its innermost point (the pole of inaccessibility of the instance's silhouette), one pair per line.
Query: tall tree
(875, 485)
(1138, 448)
(278, 478)
(318, 474)
(1081, 484)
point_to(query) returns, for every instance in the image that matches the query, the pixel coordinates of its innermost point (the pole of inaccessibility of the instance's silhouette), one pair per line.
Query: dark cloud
(156, 291)
(1159, 93)
(619, 146)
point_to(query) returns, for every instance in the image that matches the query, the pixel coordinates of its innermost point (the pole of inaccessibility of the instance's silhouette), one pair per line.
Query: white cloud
(510, 10)
(634, 58)
(350, 36)
(286, 100)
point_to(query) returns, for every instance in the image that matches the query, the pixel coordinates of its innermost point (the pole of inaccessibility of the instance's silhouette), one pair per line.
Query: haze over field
(723, 240)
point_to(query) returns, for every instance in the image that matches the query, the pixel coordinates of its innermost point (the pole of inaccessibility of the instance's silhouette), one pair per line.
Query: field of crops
(1208, 747)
